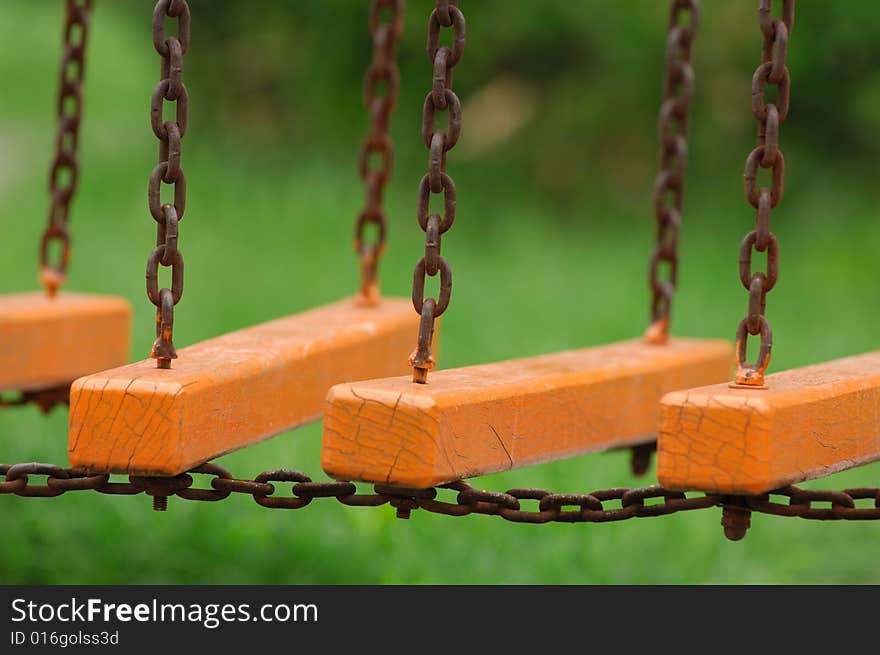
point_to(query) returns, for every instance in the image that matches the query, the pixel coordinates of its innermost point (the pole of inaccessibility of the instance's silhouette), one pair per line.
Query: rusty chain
(64, 172)
(766, 154)
(170, 134)
(380, 104)
(601, 506)
(678, 88)
(45, 399)
(672, 127)
(442, 98)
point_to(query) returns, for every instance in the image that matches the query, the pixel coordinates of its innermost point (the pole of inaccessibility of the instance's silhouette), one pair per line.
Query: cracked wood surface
(809, 422)
(482, 419)
(234, 390)
(47, 342)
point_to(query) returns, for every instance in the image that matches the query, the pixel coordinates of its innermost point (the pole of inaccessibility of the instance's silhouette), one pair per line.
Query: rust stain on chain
(441, 97)
(170, 134)
(380, 106)
(672, 127)
(673, 122)
(600, 506)
(766, 154)
(64, 172)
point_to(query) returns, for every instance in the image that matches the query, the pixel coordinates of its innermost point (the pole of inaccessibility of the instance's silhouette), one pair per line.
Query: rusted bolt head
(736, 521)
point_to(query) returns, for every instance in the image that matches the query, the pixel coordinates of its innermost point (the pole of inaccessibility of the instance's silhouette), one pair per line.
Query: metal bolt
(736, 519)
(641, 458)
(404, 506)
(420, 375)
(161, 487)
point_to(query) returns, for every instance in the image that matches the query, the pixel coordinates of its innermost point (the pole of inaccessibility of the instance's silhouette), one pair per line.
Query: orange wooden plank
(808, 423)
(49, 342)
(232, 391)
(480, 419)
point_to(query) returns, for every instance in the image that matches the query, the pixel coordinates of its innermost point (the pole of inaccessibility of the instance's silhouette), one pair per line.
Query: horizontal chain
(45, 399)
(601, 506)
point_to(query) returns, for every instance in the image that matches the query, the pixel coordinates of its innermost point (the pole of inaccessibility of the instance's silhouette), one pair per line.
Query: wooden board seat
(481, 419)
(48, 342)
(234, 390)
(809, 422)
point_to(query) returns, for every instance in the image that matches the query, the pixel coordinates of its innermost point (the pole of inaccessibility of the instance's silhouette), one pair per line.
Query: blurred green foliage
(554, 173)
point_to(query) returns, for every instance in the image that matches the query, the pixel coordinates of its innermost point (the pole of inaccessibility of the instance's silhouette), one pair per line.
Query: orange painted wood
(49, 342)
(809, 422)
(480, 419)
(232, 391)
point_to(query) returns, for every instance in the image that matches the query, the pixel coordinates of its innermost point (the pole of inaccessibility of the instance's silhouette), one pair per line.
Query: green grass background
(549, 251)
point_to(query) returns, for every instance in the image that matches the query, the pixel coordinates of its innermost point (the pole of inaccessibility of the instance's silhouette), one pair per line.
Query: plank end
(715, 439)
(128, 425)
(384, 434)
(47, 342)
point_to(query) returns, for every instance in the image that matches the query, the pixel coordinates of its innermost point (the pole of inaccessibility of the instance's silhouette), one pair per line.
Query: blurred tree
(577, 85)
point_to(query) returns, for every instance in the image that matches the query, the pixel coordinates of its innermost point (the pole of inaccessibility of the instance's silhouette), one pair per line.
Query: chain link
(601, 506)
(171, 88)
(45, 399)
(440, 98)
(842, 504)
(380, 104)
(770, 115)
(64, 173)
(673, 122)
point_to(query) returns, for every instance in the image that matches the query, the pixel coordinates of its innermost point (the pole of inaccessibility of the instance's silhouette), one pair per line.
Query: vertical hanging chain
(678, 88)
(383, 71)
(441, 97)
(170, 134)
(76, 27)
(770, 115)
